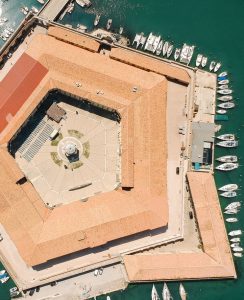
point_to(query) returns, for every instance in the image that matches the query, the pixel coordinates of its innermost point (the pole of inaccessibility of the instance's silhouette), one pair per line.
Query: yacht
(223, 74)
(150, 40)
(235, 245)
(165, 48)
(223, 81)
(212, 65)
(221, 111)
(226, 105)
(235, 232)
(229, 194)
(231, 220)
(229, 187)
(166, 293)
(154, 294)
(182, 292)
(170, 50)
(217, 67)
(237, 249)
(199, 59)
(231, 211)
(156, 43)
(109, 23)
(226, 137)
(233, 205)
(227, 166)
(228, 144)
(228, 158)
(204, 61)
(235, 240)
(177, 53)
(224, 92)
(225, 98)
(97, 19)
(159, 48)
(237, 254)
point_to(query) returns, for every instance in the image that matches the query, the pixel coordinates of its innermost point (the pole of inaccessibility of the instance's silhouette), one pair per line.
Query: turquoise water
(217, 30)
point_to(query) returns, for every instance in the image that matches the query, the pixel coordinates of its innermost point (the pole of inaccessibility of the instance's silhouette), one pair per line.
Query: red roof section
(18, 85)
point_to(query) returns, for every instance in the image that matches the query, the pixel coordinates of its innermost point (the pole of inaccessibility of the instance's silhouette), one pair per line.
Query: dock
(52, 9)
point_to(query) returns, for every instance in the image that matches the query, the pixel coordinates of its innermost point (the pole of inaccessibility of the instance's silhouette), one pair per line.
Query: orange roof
(216, 259)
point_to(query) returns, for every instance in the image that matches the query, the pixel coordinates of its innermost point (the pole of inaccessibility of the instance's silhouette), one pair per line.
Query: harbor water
(216, 29)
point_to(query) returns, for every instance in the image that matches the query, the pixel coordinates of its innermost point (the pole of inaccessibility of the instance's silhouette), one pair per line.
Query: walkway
(52, 9)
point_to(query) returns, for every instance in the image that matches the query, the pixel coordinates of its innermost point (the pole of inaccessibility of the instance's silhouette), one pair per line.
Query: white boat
(235, 245)
(109, 23)
(87, 3)
(235, 240)
(97, 19)
(204, 61)
(26, 8)
(235, 232)
(228, 144)
(225, 98)
(142, 40)
(217, 66)
(121, 29)
(233, 205)
(228, 158)
(23, 11)
(229, 194)
(223, 74)
(224, 81)
(108, 298)
(165, 48)
(212, 65)
(223, 87)
(226, 137)
(149, 43)
(137, 40)
(227, 166)
(231, 211)
(170, 50)
(229, 187)
(34, 9)
(70, 8)
(81, 3)
(156, 43)
(186, 54)
(177, 53)
(199, 59)
(237, 254)
(237, 249)
(224, 92)
(166, 293)
(226, 105)
(4, 279)
(154, 294)
(2, 272)
(182, 292)
(159, 48)
(221, 111)
(231, 220)
(41, 1)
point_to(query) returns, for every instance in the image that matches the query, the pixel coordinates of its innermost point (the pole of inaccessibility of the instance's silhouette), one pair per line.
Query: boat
(23, 11)
(235, 245)
(228, 187)
(34, 9)
(231, 211)
(221, 111)
(225, 98)
(223, 87)
(224, 81)
(177, 53)
(228, 144)
(224, 92)
(235, 240)
(237, 254)
(137, 40)
(41, 1)
(5, 279)
(81, 3)
(165, 48)
(154, 294)
(231, 220)
(150, 40)
(109, 23)
(108, 298)
(170, 50)
(227, 166)
(226, 105)
(212, 65)
(237, 249)
(2, 272)
(13, 289)
(159, 48)
(121, 29)
(166, 293)
(155, 43)
(182, 292)
(87, 3)
(81, 28)
(233, 205)
(97, 19)
(226, 137)
(223, 74)
(228, 194)
(217, 67)
(142, 40)
(204, 61)
(235, 232)
(186, 54)
(199, 59)
(228, 158)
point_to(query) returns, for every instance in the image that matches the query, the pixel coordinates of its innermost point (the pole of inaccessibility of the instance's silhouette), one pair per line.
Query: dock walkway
(52, 9)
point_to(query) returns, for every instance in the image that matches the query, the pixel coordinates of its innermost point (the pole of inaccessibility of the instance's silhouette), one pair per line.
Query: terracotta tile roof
(216, 259)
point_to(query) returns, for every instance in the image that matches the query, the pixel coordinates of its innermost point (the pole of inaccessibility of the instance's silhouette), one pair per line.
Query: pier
(52, 9)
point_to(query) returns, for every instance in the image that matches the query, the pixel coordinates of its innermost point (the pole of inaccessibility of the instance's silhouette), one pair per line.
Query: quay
(52, 9)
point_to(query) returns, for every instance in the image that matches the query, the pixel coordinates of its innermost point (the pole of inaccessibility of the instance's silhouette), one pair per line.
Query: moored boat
(235, 240)
(228, 144)
(229, 194)
(223, 82)
(226, 105)
(159, 48)
(2, 272)
(199, 59)
(177, 53)
(149, 43)
(165, 48)
(231, 211)
(204, 61)
(226, 137)
(238, 254)
(238, 249)
(212, 65)
(155, 43)
(154, 293)
(223, 74)
(229, 187)
(41, 1)
(231, 220)
(224, 92)
(217, 67)
(223, 87)
(81, 3)
(121, 29)
(235, 232)
(109, 23)
(227, 166)
(4, 279)
(225, 98)
(182, 292)
(166, 293)
(170, 50)
(233, 205)
(228, 158)
(221, 111)
(235, 245)
(97, 19)
(87, 3)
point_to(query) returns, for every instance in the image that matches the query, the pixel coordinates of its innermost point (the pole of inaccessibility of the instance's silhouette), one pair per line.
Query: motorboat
(108, 298)
(217, 67)
(109, 23)
(137, 40)
(237, 249)
(237, 254)
(2, 272)
(204, 61)
(26, 8)
(4, 279)
(154, 294)
(97, 19)
(170, 50)
(165, 48)
(235, 240)
(221, 111)
(235, 232)
(166, 293)
(224, 92)
(229, 187)
(177, 53)
(231, 220)
(186, 54)
(156, 43)
(228, 194)
(228, 144)
(159, 48)
(227, 166)
(41, 1)
(235, 245)
(81, 3)
(199, 59)
(121, 29)
(223, 87)
(70, 8)
(81, 28)
(233, 205)
(224, 81)
(182, 292)
(225, 98)
(226, 105)
(231, 211)
(226, 137)
(212, 65)
(228, 158)
(142, 40)
(34, 9)
(149, 43)
(23, 11)
(223, 74)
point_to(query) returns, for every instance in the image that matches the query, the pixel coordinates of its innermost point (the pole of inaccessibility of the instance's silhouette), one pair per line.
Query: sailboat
(217, 66)
(228, 158)
(229, 187)
(226, 105)
(228, 194)
(182, 292)
(235, 232)
(231, 220)
(166, 293)
(235, 240)
(154, 294)
(233, 205)
(212, 65)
